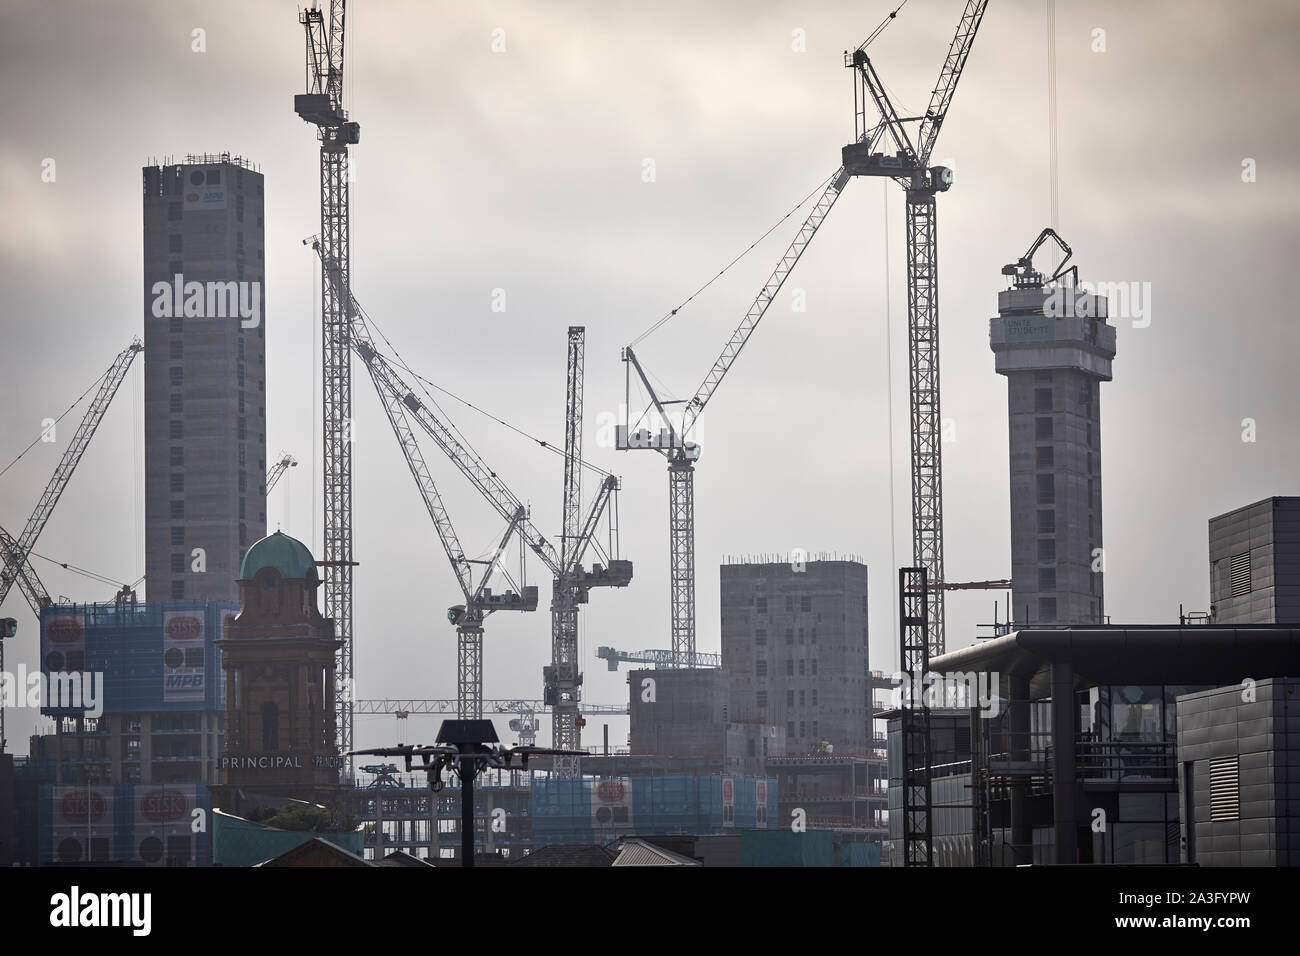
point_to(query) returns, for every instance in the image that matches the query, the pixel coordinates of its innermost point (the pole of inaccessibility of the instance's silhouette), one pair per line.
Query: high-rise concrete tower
(1054, 346)
(205, 375)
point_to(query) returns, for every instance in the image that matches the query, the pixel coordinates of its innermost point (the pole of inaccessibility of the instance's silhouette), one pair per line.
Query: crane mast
(322, 106)
(562, 679)
(909, 166)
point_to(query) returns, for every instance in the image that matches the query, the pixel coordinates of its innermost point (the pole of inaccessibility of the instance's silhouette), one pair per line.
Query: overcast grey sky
(522, 170)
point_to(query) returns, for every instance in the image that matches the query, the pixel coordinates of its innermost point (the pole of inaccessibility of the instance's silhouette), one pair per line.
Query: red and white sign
(183, 650)
(611, 804)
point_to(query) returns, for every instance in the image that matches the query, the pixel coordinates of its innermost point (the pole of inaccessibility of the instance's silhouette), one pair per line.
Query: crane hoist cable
(93, 385)
(398, 361)
(820, 186)
(750, 248)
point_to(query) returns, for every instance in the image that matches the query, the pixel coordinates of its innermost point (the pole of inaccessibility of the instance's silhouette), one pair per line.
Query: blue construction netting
(146, 657)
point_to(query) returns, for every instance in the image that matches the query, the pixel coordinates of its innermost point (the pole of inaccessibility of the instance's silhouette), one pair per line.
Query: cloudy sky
(522, 170)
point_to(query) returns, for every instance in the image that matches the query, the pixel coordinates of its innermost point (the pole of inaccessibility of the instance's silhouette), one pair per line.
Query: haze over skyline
(523, 171)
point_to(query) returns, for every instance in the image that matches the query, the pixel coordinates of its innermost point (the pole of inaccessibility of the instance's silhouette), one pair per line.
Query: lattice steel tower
(322, 105)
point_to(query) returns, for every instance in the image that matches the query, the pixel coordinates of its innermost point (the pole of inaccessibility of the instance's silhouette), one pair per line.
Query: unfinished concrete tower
(1054, 346)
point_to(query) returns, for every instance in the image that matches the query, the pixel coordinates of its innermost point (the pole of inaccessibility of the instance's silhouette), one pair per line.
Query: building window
(1046, 489)
(805, 603)
(175, 267)
(178, 534)
(243, 429)
(801, 700)
(178, 589)
(813, 663)
(1047, 521)
(1047, 610)
(761, 699)
(177, 454)
(812, 636)
(1042, 399)
(801, 667)
(176, 374)
(789, 730)
(1046, 550)
(174, 325)
(241, 403)
(241, 509)
(760, 605)
(174, 242)
(270, 726)
(176, 428)
(176, 349)
(814, 697)
(789, 698)
(1043, 429)
(760, 668)
(173, 212)
(178, 564)
(178, 481)
(1046, 457)
(789, 635)
(178, 508)
(1047, 579)
(789, 667)
(176, 404)
(760, 636)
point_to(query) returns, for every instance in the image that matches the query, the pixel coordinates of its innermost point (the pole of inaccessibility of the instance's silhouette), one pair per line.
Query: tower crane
(571, 582)
(322, 106)
(278, 468)
(17, 551)
(909, 166)
(479, 599)
(16, 566)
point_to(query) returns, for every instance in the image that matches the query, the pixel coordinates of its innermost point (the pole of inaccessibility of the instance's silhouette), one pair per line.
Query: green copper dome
(287, 555)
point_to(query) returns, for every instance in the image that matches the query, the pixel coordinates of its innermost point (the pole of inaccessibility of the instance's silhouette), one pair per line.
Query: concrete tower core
(204, 375)
(1054, 346)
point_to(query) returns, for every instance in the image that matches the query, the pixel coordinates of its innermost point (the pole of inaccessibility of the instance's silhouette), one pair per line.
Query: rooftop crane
(278, 468)
(571, 582)
(1025, 276)
(909, 166)
(322, 106)
(16, 552)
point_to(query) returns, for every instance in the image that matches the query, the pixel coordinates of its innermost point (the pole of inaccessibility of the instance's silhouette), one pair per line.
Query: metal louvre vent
(1239, 574)
(1225, 791)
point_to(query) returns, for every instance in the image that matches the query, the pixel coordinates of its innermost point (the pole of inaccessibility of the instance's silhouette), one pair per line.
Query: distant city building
(1255, 564)
(794, 647)
(205, 375)
(137, 743)
(1054, 364)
